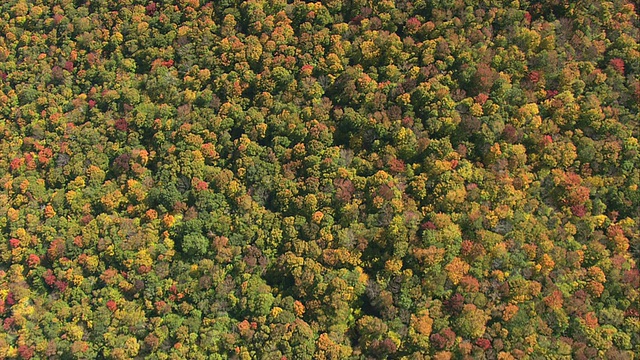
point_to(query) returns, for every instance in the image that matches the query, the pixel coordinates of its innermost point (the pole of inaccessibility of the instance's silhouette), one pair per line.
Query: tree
(195, 244)
(472, 322)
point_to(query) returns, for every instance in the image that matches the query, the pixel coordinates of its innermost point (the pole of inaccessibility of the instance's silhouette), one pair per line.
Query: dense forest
(340, 179)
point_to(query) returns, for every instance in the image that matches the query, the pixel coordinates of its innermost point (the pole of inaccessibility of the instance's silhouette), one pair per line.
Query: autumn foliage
(271, 179)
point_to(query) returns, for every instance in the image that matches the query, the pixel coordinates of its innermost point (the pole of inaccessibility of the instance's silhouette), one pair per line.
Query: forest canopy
(340, 179)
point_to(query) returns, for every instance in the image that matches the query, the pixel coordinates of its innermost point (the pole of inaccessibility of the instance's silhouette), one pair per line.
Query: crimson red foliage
(49, 277)
(121, 125)
(579, 210)
(25, 352)
(484, 344)
(534, 76)
(617, 64)
(33, 260)
(413, 24)
(151, 8)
